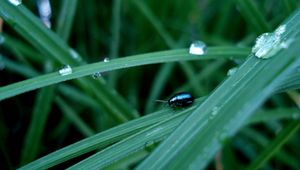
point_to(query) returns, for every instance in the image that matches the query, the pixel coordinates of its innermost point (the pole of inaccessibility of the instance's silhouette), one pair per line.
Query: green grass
(241, 121)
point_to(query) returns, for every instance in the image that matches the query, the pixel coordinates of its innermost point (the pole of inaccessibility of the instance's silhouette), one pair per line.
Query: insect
(180, 100)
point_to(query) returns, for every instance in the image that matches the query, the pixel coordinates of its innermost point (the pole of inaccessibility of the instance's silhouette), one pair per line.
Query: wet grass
(249, 119)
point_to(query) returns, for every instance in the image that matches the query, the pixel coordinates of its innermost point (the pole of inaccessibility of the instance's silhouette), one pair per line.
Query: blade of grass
(74, 118)
(31, 145)
(263, 141)
(275, 145)
(226, 109)
(114, 46)
(22, 47)
(115, 40)
(124, 62)
(65, 18)
(97, 141)
(274, 114)
(30, 27)
(132, 144)
(157, 86)
(155, 22)
(253, 16)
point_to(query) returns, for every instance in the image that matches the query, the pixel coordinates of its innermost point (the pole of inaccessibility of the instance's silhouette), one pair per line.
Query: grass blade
(38, 121)
(226, 109)
(275, 145)
(97, 141)
(120, 63)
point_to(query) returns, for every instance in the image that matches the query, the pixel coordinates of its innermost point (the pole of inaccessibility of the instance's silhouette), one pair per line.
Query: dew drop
(2, 39)
(285, 44)
(75, 55)
(96, 75)
(223, 137)
(295, 116)
(65, 70)
(268, 44)
(197, 48)
(280, 30)
(149, 143)
(215, 111)
(15, 2)
(232, 71)
(45, 11)
(106, 59)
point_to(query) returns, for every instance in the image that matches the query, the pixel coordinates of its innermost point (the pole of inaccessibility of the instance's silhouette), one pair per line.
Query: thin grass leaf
(155, 22)
(115, 42)
(263, 141)
(31, 146)
(74, 118)
(226, 109)
(253, 16)
(276, 144)
(132, 144)
(120, 63)
(66, 18)
(26, 50)
(98, 141)
(157, 87)
(275, 114)
(31, 28)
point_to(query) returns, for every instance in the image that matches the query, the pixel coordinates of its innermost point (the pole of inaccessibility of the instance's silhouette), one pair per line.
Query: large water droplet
(268, 44)
(15, 2)
(96, 75)
(232, 71)
(65, 70)
(45, 12)
(197, 48)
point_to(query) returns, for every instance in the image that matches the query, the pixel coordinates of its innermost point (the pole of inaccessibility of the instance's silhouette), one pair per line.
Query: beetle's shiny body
(182, 99)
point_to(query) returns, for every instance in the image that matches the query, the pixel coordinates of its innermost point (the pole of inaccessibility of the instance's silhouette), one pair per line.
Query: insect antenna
(161, 101)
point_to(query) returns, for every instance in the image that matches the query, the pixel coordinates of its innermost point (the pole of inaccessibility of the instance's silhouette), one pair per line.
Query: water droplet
(268, 44)
(280, 30)
(154, 131)
(75, 55)
(285, 44)
(149, 146)
(295, 116)
(197, 48)
(223, 137)
(149, 143)
(232, 71)
(215, 111)
(2, 39)
(15, 2)
(106, 59)
(65, 70)
(96, 75)
(45, 12)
